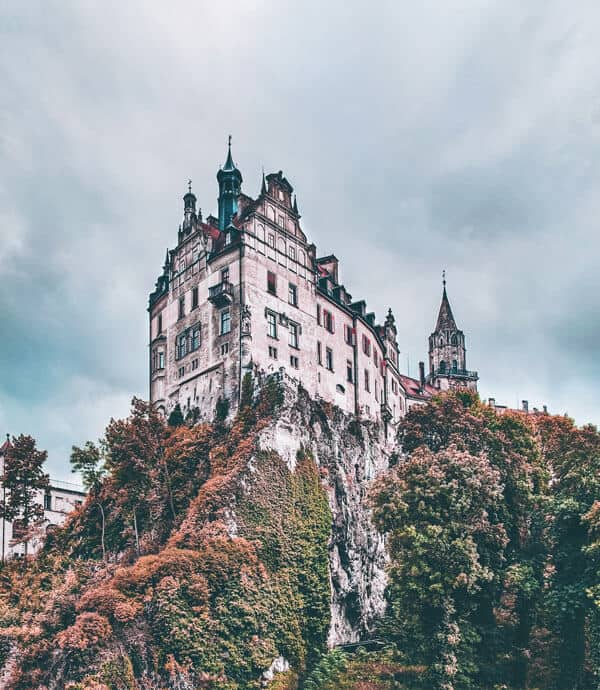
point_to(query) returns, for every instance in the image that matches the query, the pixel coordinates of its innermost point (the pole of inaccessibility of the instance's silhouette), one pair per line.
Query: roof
(5, 446)
(414, 390)
(445, 321)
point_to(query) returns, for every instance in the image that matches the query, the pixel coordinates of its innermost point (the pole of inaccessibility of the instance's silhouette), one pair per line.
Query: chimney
(545, 408)
(492, 402)
(525, 405)
(422, 374)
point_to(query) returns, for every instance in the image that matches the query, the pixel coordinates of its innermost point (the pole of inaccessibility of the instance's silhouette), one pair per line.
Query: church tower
(447, 352)
(230, 188)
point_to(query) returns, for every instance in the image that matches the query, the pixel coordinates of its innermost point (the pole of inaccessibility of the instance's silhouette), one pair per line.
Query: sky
(419, 136)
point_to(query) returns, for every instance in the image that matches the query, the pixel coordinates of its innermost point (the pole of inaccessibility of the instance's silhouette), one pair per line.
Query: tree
(88, 461)
(176, 417)
(445, 548)
(23, 479)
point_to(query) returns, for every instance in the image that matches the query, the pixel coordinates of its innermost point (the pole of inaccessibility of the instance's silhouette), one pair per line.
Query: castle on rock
(247, 293)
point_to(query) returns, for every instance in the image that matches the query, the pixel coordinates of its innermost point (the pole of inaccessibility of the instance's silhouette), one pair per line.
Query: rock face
(350, 454)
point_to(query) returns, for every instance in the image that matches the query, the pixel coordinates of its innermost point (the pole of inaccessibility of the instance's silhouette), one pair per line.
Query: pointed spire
(445, 321)
(229, 164)
(295, 206)
(263, 187)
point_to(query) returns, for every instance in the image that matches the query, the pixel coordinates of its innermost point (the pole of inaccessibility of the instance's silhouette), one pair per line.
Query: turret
(189, 208)
(230, 187)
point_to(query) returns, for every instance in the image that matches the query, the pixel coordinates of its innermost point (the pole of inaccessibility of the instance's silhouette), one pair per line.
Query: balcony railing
(221, 294)
(460, 373)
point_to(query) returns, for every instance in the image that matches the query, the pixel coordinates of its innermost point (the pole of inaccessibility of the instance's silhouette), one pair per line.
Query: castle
(246, 292)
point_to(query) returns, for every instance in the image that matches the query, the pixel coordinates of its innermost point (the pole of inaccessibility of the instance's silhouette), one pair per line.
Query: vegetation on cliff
(199, 559)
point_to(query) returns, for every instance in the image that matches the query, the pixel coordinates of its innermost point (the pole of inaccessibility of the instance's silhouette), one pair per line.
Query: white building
(59, 500)
(247, 293)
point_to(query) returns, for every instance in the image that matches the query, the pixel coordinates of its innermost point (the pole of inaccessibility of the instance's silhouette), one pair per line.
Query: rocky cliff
(235, 554)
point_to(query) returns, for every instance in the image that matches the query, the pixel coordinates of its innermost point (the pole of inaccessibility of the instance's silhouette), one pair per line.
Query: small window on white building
(272, 324)
(293, 330)
(225, 322)
(329, 358)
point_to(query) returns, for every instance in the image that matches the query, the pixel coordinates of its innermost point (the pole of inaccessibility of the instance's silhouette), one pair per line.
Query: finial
(444, 278)
(295, 207)
(229, 142)
(189, 186)
(263, 188)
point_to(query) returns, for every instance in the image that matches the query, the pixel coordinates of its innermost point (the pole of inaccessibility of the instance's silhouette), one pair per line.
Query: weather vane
(444, 277)
(190, 186)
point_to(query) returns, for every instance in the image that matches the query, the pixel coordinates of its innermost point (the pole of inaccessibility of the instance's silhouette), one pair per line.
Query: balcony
(386, 412)
(221, 295)
(457, 373)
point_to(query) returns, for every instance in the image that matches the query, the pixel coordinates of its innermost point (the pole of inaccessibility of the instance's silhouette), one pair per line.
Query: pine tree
(23, 479)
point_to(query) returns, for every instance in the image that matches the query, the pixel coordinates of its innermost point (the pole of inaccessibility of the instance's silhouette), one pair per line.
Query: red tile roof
(413, 388)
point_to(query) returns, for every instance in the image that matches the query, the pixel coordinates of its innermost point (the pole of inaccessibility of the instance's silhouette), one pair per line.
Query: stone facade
(245, 292)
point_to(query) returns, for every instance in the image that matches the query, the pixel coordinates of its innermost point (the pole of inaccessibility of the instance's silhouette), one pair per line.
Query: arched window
(442, 367)
(441, 341)
(454, 339)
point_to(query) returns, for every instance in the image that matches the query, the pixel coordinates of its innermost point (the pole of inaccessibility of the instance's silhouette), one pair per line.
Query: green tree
(89, 462)
(23, 479)
(176, 416)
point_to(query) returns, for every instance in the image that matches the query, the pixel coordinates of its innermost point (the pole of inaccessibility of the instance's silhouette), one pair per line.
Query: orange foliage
(88, 631)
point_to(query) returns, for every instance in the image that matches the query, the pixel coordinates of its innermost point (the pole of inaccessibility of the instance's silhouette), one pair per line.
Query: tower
(230, 188)
(189, 208)
(447, 351)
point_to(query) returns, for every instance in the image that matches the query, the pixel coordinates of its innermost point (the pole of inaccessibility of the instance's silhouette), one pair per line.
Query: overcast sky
(418, 135)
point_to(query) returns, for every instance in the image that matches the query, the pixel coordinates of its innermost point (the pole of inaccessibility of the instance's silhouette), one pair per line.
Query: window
(161, 359)
(281, 218)
(47, 501)
(194, 364)
(329, 358)
(319, 353)
(181, 345)
(272, 240)
(328, 321)
(272, 352)
(394, 387)
(195, 338)
(272, 324)
(319, 314)
(181, 372)
(225, 322)
(375, 357)
(349, 371)
(294, 328)
(367, 384)
(224, 348)
(225, 275)
(454, 366)
(442, 366)
(349, 335)
(182, 306)
(454, 339)
(366, 344)
(194, 297)
(292, 251)
(271, 283)
(376, 391)
(159, 324)
(293, 295)
(294, 361)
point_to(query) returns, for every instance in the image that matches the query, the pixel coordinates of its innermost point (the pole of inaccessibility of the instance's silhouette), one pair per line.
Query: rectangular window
(271, 283)
(159, 324)
(181, 345)
(367, 384)
(319, 353)
(376, 391)
(272, 240)
(293, 295)
(292, 253)
(294, 361)
(272, 352)
(195, 338)
(328, 321)
(329, 358)
(366, 344)
(225, 322)
(194, 364)
(349, 335)
(319, 314)
(194, 297)
(272, 321)
(375, 357)
(48, 501)
(225, 275)
(182, 306)
(294, 328)
(161, 359)
(224, 348)
(181, 372)
(349, 371)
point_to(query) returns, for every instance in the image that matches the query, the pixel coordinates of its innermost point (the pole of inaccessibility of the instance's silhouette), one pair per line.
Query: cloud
(419, 136)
